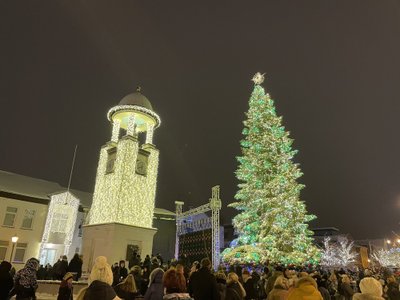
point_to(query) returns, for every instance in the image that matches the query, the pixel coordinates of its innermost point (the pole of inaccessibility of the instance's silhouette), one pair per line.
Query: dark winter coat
(60, 269)
(346, 291)
(123, 272)
(65, 292)
(25, 283)
(233, 292)
(250, 288)
(393, 292)
(203, 285)
(271, 281)
(75, 266)
(221, 286)
(140, 283)
(325, 293)
(124, 294)
(6, 280)
(99, 290)
(156, 288)
(261, 289)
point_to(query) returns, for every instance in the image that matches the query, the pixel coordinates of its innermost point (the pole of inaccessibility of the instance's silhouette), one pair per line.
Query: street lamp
(388, 241)
(14, 240)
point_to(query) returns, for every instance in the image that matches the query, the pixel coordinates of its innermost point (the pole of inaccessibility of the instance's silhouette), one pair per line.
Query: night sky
(333, 68)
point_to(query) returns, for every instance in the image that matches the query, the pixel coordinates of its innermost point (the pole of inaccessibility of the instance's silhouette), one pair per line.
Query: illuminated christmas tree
(272, 221)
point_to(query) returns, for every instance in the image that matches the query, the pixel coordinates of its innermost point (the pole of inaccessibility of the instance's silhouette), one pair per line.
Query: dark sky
(333, 68)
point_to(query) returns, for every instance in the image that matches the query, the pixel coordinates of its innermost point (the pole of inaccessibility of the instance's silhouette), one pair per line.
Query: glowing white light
(124, 196)
(149, 134)
(388, 258)
(131, 125)
(14, 239)
(134, 108)
(115, 130)
(65, 204)
(339, 254)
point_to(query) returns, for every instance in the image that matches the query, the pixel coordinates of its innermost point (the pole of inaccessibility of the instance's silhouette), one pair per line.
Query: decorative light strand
(115, 130)
(149, 134)
(124, 196)
(134, 108)
(131, 125)
(65, 203)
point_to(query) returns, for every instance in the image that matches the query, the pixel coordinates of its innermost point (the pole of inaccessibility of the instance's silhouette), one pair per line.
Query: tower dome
(136, 98)
(137, 108)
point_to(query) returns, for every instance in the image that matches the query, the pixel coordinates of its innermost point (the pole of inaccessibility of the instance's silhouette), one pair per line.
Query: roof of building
(27, 186)
(136, 98)
(42, 189)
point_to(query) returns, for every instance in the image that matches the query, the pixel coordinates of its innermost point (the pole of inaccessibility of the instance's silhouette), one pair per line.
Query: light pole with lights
(14, 240)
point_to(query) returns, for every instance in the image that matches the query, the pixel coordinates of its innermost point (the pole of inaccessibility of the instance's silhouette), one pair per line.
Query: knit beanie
(68, 276)
(101, 271)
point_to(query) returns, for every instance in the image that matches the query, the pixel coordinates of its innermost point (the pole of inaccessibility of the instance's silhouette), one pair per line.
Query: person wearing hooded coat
(6, 280)
(66, 289)
(75, 266)
(100, 280)
(61, 268)
(345, 288)
(25, 281)
(280, 290)
(234, 289)
(371, 289)
(156, 288)
(306, 288)
(393, 292)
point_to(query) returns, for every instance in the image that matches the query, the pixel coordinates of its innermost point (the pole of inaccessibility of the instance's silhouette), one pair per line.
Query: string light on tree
(272, 221)
(339, 254)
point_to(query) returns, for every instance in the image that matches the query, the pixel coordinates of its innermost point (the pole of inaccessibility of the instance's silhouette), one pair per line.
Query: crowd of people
(60, 268)
(153, 279)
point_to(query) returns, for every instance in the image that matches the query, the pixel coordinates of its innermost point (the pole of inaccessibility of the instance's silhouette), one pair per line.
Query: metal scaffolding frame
(182, 226)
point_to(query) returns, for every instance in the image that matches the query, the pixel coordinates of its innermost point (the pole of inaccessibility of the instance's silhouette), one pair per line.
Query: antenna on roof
(70, 173)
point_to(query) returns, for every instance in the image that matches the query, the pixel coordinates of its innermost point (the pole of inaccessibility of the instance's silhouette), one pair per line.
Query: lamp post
(14, 240)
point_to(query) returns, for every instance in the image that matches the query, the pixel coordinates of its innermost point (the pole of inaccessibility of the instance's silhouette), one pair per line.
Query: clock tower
(121, 215)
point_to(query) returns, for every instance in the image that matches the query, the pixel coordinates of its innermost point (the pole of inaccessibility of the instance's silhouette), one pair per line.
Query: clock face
(141, 167)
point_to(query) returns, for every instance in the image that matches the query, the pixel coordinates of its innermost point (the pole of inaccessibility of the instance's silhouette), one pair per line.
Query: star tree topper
(258, 78)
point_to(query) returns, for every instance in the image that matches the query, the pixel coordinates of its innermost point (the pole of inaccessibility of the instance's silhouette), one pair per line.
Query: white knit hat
(101, 271)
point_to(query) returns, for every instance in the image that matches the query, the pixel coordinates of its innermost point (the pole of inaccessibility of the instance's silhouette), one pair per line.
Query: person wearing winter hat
(61, 267)
(100, 280)
(393, 292)
(280, 290)
(306, 288)
(25, 282)
(344, 287)
(371, 289)
(65, 291)
(156, 288)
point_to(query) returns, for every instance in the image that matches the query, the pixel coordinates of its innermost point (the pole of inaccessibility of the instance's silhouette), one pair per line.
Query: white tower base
(112, 241)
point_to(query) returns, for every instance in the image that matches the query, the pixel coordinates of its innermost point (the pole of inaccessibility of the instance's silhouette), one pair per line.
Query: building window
(28, 219)
(112, 156)
(142, 162)
(9, 218)
(20, 252)
(3, 249)
(60, 222)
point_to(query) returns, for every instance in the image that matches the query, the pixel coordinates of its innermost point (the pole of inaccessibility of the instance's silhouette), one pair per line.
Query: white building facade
(46, 218)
